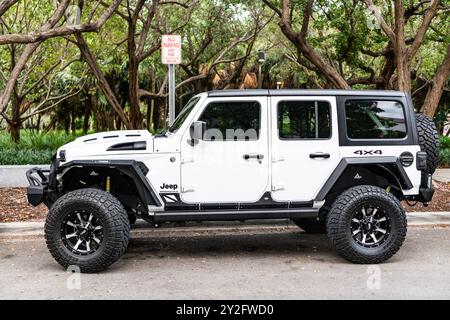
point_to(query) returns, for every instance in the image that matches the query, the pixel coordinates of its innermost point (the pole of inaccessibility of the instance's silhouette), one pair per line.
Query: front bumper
(38, 188)
(42, 188)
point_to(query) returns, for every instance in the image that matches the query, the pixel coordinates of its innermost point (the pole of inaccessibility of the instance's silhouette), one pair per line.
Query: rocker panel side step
(235, 215)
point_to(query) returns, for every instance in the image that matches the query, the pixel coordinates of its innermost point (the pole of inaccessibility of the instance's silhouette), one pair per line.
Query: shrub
(444, 142)
(445, 157)
(33, 148)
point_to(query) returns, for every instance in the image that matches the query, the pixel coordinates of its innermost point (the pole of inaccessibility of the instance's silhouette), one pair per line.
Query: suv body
(249, 154)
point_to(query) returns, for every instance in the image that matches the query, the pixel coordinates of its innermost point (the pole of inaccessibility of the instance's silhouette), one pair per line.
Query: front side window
(374, 119)
(304, 120)
(232, 121)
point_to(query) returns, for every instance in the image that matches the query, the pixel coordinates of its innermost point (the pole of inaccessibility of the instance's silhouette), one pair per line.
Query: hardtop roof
(303, 92)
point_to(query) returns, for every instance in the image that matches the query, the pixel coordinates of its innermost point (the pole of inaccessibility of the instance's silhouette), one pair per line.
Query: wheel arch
(126, 181)
(355, 171)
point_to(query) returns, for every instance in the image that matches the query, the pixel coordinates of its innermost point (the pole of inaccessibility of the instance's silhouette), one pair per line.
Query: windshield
(183, 115)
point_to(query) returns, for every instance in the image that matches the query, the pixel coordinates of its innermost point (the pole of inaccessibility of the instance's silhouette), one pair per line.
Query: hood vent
(137, 145)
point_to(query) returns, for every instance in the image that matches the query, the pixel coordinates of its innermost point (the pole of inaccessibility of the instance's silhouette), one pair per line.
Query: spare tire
(428, 140)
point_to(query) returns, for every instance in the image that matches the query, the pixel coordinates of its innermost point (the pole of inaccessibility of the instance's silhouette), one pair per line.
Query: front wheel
(87, 228)
(366, 225)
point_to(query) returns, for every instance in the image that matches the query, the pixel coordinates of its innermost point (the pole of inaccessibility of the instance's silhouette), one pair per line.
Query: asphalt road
(266, 263)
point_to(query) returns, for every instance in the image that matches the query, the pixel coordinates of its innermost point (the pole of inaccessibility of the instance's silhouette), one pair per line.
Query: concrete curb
(442, 175)
(141, 228)
(14, 176)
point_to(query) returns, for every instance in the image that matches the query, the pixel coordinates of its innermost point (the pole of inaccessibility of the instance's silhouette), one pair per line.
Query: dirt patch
(440, 202)
(14, 206)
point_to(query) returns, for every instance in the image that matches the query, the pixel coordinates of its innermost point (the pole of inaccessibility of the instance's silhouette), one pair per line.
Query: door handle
(319, 155)
(253, 156)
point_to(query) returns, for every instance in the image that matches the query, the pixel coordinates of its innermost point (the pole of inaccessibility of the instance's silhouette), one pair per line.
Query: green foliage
(445, 157)
(445, 150)
(33, 148)
(444, 142)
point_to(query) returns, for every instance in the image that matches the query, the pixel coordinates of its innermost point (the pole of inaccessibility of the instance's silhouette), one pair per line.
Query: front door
(305, 146)
(231, 163)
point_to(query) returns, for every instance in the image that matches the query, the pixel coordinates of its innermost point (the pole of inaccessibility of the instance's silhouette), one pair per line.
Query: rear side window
(375, 119)
(304, 120)
(232, 121)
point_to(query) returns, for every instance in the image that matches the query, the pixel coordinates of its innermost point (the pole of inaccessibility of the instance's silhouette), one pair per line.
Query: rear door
(305, 145)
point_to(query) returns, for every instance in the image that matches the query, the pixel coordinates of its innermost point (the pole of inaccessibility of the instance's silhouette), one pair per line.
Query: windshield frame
(183, 115)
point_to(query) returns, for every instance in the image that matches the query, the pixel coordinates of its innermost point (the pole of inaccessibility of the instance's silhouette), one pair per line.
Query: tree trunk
(87, 114)
(15, 124)
(73, 121)
(136, 117)
(437, 86)
(102, 82)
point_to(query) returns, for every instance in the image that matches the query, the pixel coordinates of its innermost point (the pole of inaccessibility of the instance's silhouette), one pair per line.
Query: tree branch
(60, 31)
(426, 21)
(5, 5)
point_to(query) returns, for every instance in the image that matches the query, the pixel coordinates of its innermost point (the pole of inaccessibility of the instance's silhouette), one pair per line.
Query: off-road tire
(116, 229)
(311, 226)
(428, 140)
(340, 217)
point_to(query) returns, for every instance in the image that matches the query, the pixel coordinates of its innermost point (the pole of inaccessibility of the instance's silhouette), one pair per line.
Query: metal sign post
(171, 55)
(171, 94)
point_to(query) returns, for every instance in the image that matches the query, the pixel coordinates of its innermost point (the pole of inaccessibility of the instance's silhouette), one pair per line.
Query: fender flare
(135, 170)
(400, 173)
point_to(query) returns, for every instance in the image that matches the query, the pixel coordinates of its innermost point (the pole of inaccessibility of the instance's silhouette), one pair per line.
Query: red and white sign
(171, 49)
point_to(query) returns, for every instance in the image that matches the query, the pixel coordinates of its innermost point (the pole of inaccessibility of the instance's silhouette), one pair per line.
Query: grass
(33, 148)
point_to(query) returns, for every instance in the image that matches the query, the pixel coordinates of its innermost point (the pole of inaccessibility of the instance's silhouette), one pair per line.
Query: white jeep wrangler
(331, 160)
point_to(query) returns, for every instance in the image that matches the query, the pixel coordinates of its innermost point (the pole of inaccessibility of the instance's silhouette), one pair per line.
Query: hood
(100, 144)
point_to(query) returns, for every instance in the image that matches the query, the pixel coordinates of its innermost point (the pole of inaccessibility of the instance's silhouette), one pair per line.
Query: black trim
(128, 146)
(133, 169)
(236, 215)
(303, 92)
(345, 162)
(265, 203)
(410, 122)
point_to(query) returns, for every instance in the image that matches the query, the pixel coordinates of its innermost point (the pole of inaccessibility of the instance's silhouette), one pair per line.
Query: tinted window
(304, 120)
(371, 119)
(232, 120)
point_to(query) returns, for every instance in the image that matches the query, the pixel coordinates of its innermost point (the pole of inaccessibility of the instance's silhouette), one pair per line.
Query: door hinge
(187, 189)
(277, 187)
(187, 160)
(278, 159)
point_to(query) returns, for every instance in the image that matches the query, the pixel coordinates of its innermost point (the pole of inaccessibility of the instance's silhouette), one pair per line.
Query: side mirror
(196, 131)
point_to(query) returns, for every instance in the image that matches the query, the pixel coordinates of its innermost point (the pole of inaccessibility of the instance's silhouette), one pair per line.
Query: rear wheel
(312, 226)
(88, 228)
(366, 224)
